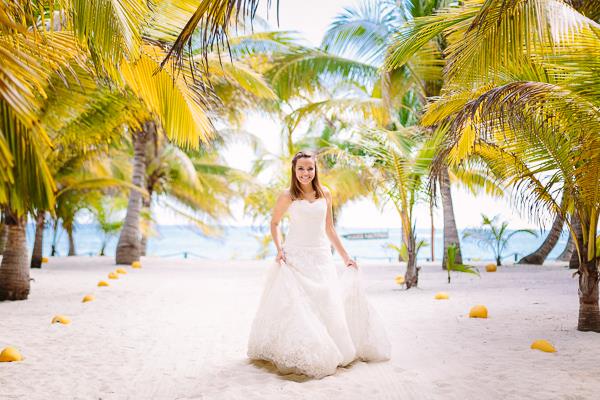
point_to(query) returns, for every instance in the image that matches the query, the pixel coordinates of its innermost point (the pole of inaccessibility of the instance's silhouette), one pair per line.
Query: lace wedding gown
(309, 321)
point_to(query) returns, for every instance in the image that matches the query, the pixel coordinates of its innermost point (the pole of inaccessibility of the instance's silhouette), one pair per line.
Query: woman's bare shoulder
(285, 196)
(326, 192)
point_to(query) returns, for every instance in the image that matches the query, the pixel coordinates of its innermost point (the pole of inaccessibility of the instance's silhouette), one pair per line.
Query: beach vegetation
(401, 161)
(494, 236)
(402, 250)
(454, 266)
(527, 107)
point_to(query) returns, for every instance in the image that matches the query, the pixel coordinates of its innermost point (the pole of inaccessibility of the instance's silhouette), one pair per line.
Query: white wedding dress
(309, 321)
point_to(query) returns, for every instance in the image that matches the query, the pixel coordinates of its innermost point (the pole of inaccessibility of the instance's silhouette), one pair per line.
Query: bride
(309, 321)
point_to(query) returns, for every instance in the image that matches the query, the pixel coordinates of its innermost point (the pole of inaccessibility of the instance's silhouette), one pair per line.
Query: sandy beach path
(177, 330)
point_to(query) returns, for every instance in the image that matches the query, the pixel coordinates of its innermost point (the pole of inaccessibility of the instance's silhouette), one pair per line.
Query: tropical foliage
(453, 266)
(401, 161)
(510, 91)
(527, 106)
(494, 236)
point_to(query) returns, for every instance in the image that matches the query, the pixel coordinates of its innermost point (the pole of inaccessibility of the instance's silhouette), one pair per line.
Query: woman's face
(305, 170)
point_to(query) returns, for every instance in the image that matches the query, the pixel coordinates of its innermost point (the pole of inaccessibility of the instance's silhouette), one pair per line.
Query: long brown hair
(295, 188)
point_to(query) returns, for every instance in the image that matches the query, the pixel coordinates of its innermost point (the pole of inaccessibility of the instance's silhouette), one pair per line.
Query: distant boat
(366, 235)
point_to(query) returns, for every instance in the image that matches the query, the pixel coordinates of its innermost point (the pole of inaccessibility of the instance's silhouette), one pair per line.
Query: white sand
(178, 330)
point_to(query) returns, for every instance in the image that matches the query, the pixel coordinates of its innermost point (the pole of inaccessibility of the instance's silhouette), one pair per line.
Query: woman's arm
(332, 234)
(283, 202)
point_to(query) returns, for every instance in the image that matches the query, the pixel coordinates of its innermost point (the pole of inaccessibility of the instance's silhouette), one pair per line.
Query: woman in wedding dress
(309, 321)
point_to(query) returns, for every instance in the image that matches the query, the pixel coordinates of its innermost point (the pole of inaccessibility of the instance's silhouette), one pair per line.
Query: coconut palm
(39, 40)
(540, 254)
(528, 107)
(228, 80)
(40, 224)
(353, 50)
(402, 161)
(3, 234)
(105, 209)
(29, 57)
(195, 185)
(568, 251)
(493, 236)
(82, 119)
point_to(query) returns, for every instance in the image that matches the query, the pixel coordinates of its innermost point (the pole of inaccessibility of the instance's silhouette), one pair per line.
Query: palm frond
(176, 101)
(213, 18)
(304, 72)
(362, 31)
(109, 29)
(505, 32)
(349, 109)
(418, 32)
(241, 75)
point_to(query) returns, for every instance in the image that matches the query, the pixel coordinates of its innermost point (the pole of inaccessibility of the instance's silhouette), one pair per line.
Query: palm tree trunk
(103, 247)
(3, 237)
(589, 312)
(36, 256)
(129, 245)
(54, 237)
(69, 229)
(574, 261)
(412, 272)
(386, 98)
(568, 251)
(14, 270)
(539, 256)
(146, 204)
(450, 230)
(432, 231)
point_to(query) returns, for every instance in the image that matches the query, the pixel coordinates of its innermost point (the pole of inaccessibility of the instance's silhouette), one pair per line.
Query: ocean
(242, 243)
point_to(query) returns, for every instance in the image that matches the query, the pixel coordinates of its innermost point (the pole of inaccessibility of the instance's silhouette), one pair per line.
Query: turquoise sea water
(242, 243)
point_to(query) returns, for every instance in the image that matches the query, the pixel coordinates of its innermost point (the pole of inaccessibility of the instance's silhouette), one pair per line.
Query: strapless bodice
(307, 224)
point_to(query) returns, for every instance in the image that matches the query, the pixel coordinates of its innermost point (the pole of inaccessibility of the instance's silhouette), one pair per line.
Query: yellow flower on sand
(44, 260)
(102, 283)
(400, 279)
(113, 275)
(543, 345)
(441, 296)
(136, 264)
(478, 311)
(10, 354)
(61, 319)
(121, 271)
(491, 268)
(88, 297)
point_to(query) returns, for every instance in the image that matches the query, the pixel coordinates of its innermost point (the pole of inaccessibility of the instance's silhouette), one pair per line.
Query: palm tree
(107, 35)
(568, 251)
(129, 245)
(36, 255)
(402, 165)
(526, 110)
(29, 58)
(82, 119)
(105, 209)
(540, 254)
(353, 50)
(195, 185)
(226, 79)
(432, 51)
(3, 234)
(494, 237)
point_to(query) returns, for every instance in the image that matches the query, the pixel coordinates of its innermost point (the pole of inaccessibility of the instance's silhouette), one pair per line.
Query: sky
(311, 18)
